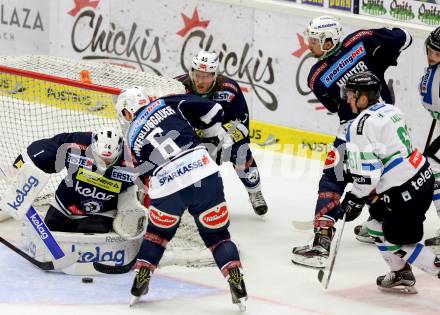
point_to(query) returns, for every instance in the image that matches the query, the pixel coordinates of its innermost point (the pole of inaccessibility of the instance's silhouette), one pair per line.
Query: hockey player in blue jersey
(205, 81)
(429, 91)
(373, 50)
(182, 176)
(94, 202)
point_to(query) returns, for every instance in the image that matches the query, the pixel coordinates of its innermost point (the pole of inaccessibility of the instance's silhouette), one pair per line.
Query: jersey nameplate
(360, 126)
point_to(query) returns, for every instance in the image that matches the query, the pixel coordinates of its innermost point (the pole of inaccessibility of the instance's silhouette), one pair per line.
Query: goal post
(41, 96)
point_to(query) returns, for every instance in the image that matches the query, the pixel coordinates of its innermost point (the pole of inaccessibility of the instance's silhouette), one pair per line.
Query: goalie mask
(203, 72)
(324, 28)
(107, 146)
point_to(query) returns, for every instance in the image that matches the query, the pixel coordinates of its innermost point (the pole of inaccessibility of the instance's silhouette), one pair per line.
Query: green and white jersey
(380, 154)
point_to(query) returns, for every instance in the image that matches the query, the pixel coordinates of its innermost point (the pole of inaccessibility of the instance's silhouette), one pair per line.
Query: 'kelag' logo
(22, 194)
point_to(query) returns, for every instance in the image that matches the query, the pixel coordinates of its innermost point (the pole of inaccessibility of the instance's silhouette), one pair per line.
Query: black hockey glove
(351, 206)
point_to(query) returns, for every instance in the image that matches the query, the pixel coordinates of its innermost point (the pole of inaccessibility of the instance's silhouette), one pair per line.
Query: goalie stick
(43, 265)
(325, 275)
(108, 269)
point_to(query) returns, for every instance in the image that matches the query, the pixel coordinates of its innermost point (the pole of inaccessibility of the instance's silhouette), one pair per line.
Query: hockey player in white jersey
(429, 91)
(380, 157)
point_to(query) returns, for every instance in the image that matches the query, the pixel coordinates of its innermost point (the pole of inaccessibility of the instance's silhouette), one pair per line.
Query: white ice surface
(274, 284)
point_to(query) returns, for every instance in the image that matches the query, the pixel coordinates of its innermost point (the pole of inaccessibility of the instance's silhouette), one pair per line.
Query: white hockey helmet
(107, 145)
(132, 100)
(323, 28)
(205, 61)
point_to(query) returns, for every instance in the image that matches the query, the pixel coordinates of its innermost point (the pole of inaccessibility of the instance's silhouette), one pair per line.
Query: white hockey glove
(22, 189)
(130, 221)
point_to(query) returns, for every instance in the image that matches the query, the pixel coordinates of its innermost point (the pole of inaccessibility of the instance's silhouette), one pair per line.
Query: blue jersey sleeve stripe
(392, 164)
(371, 166)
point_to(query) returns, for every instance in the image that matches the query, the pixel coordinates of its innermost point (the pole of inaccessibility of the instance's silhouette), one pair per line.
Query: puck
(87, 280)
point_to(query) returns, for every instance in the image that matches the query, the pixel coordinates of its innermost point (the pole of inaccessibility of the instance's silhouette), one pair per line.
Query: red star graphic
(303, 47)
(79, 4)
(191, 23)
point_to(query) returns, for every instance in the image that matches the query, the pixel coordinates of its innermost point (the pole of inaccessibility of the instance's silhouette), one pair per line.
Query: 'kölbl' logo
(162, 219)
(215, 217)
(331, 160)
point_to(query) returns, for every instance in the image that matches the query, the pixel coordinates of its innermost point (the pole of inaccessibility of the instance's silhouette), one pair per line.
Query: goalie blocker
(28, 182)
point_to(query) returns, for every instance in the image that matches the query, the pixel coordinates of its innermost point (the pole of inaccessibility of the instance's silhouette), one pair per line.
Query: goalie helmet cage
(42, 96)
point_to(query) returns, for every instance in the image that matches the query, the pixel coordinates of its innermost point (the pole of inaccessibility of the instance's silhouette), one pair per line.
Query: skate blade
(400, 290)
(134, 300)
(320, 264)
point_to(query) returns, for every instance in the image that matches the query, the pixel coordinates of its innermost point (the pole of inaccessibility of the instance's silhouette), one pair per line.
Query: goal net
(41, 96)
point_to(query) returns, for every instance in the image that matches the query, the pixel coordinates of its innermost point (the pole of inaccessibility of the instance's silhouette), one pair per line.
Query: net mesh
(35, 107)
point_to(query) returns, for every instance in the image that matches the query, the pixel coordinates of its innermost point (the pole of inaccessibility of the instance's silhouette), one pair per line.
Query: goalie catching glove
(130, 220)
(352, 206)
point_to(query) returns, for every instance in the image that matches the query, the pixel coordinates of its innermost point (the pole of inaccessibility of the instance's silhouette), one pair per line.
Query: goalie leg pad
(22, 191)
(130, 220)
(105, 247)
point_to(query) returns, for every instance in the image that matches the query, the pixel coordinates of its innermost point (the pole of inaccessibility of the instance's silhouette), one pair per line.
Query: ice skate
(401, 281)
(258, 202)
(315, 255)
(140, 284)
(238, 288)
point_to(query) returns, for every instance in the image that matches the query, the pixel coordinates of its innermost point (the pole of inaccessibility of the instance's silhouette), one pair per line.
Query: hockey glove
(352, 206)
(236, 130)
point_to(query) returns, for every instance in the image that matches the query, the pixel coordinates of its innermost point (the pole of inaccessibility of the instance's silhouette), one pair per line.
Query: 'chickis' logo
(249, 69)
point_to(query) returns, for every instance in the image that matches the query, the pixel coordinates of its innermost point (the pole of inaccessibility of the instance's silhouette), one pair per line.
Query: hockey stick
(431, 132)
(108, 269)
(270, 140)
(43, 265)
(324, 275)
